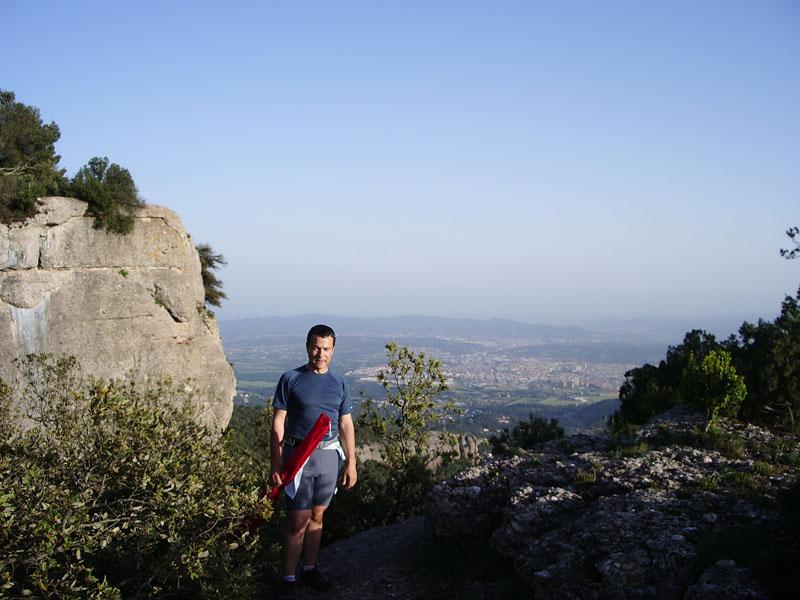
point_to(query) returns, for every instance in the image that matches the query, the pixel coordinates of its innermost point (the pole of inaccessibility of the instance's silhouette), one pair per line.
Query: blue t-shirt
(304, 395)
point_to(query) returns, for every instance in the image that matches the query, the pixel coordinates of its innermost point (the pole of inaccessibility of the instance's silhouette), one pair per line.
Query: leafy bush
(28, 160)
(110, 192)
(526, 435)
(108, 490)
(413, 383)
(713, 383)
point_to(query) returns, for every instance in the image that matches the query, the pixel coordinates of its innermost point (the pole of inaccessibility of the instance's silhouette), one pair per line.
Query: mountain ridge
(403, 325)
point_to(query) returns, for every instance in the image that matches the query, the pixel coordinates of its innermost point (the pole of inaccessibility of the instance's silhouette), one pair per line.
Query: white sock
(289, 578)
(309, 567)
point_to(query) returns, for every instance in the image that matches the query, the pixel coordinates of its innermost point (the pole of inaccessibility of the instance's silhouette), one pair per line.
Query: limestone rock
(581, 517)
(121, 305)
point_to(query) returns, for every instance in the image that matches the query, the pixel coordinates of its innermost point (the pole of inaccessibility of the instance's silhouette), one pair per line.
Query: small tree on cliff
(28, 159)
(209, 262)
(110, 192)
(29, 170)
(413, 384)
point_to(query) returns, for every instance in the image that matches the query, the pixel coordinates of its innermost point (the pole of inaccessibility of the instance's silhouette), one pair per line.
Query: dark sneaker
(287, 589)
(315, 580)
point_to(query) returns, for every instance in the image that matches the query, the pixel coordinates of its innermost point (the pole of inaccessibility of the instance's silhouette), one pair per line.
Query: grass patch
(632, 450)
(585, 477)
(762, 468)
(727, 444)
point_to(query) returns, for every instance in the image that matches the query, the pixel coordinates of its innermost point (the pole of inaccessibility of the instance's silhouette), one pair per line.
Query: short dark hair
(322, 331)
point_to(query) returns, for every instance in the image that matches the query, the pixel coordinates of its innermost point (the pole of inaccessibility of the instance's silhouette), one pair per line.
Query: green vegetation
(413, 383)
(713, 382)
(110, 192)
(28, 160)
(108, 490)
(703, 372)
(794, 236)
(526, 435)
(29, 170)
(209, 262)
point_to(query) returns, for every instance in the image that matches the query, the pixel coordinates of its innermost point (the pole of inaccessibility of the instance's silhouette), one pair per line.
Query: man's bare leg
(313, 535)
(293, 538)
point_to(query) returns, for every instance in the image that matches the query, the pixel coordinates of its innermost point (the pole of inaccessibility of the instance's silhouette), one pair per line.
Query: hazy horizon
(548, 162)
(662, 329)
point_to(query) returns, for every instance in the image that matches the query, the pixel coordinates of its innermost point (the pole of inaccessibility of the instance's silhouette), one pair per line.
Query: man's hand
(347, 433)
(350, 476)
(275, 478)
(276, 449)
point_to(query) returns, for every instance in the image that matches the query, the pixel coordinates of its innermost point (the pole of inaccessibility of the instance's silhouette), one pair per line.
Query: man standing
(301, 396)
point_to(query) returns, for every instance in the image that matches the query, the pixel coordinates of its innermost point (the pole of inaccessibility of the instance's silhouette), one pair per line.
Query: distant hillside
(672, 330)
(402, 327)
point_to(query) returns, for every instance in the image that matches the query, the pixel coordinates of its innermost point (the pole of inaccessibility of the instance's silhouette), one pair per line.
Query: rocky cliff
(671, 513)
(123, 305)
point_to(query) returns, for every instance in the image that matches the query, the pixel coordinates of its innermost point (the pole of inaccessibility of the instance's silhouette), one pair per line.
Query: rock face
(584, 518)
(123, 305)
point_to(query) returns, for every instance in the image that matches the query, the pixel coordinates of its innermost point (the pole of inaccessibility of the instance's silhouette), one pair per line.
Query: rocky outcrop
(583, 517)
(464, 448)
(124, 306)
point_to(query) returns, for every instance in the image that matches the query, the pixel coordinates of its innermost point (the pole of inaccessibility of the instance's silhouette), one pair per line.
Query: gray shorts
(319, 480)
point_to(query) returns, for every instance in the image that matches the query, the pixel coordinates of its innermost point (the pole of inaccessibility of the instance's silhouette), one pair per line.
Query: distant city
(499, 371)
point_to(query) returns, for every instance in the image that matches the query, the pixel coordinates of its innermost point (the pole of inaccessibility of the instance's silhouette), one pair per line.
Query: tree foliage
(649, 390)
(794, 236)
(766, 355)
(108, 490)
(110, 192)
(525, 435)
(210, 262)
(29, 170)
(28, 160)
(713, 383)
(413, 385)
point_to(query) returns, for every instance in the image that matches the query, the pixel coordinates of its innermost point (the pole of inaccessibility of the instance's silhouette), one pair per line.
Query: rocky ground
(670, 512)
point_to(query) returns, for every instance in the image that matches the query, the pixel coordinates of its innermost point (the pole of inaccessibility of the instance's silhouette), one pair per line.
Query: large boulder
(124, 305)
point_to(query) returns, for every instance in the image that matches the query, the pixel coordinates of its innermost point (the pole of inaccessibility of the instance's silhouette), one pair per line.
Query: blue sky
(544, 161)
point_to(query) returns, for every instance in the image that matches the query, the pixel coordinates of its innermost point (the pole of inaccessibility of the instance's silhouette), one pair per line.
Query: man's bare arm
(347, 433)
(275, 443)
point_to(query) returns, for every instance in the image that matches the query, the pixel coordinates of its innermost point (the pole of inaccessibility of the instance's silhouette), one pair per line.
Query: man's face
(320, 353)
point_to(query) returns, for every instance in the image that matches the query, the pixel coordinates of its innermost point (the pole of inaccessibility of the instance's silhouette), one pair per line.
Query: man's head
(320, 342)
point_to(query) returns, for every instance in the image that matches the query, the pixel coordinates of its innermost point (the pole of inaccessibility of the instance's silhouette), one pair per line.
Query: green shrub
(110, 490)
(526, 435)
(713, 383)
(413, 384)
(110, 192)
